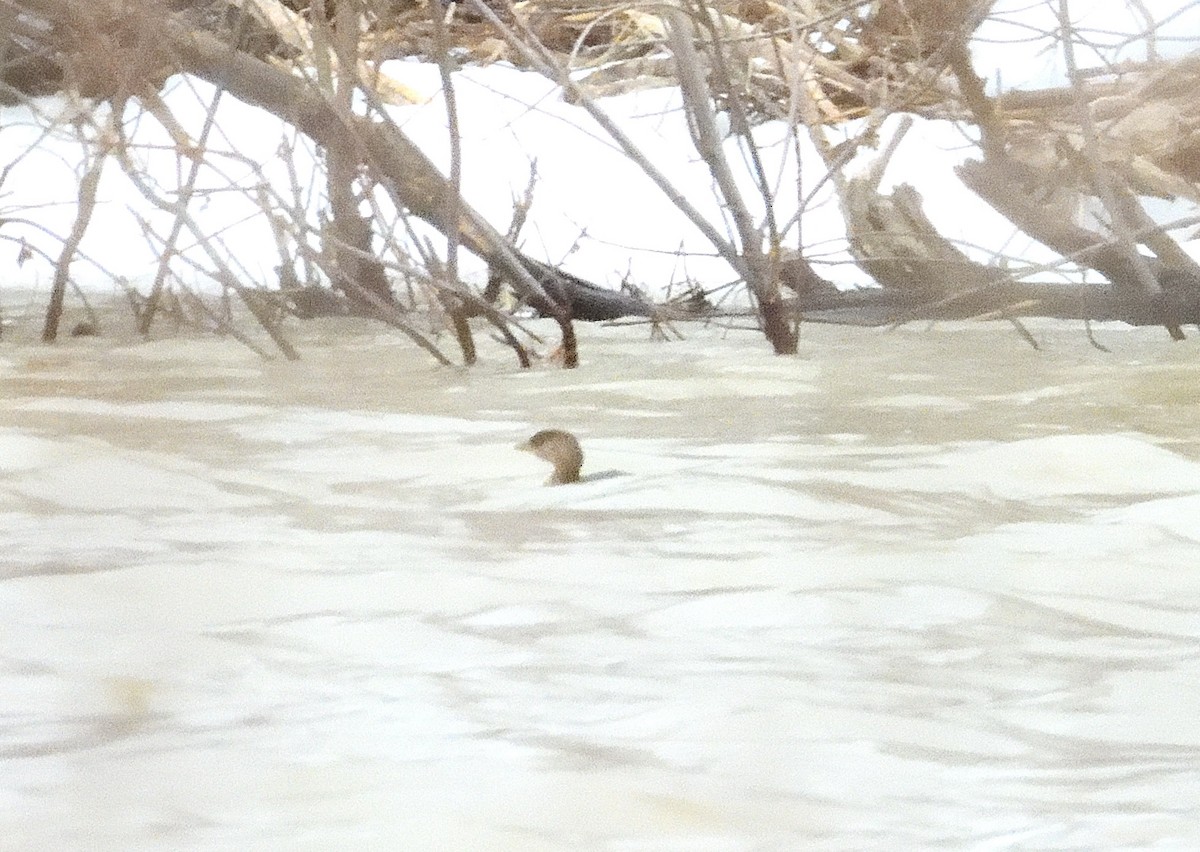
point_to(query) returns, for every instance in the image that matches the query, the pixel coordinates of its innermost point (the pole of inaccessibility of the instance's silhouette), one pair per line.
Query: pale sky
(1018, 44)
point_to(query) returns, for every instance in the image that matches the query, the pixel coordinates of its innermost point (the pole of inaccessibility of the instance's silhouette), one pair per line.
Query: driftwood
(1145, 115)
(999, 183)
(401, 166)
(585, 300)
(893, 240)
(1040, 159)
(1178, 304)
(125, 52)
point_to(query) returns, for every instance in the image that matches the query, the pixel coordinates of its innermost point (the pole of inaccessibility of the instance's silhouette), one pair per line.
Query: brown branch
(86, 205)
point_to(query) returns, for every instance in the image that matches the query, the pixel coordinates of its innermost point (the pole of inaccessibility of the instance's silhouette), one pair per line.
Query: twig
(183, 199)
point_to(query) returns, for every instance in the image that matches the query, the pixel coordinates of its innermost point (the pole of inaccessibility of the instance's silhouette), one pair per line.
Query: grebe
(559, 448)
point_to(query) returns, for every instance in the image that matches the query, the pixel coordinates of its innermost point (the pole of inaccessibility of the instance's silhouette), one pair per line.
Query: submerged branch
(86, 205)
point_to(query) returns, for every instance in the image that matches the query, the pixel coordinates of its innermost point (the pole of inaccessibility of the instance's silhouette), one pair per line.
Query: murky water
(926, 588)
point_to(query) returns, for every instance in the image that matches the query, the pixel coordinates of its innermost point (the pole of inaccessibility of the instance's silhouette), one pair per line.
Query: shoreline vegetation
(1114, 138)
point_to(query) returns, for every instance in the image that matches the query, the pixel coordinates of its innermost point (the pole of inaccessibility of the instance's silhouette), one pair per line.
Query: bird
(561, 449)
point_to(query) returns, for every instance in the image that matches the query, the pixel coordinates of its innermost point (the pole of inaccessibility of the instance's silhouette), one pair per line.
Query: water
(907, 590)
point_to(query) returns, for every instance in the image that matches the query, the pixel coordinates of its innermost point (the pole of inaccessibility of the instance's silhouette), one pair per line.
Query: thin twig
(183, 199)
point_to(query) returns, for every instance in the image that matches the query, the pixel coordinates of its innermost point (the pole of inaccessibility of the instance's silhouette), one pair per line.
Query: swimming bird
(559, 448)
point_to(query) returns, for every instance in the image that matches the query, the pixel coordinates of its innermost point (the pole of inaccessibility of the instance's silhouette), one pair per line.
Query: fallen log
(1177, 304)
(586, 301)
